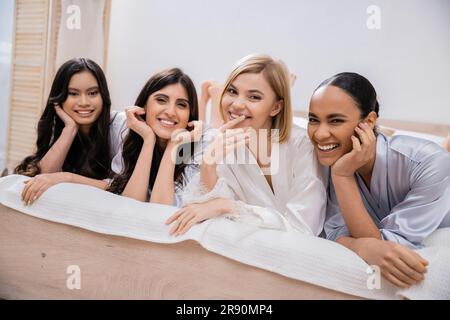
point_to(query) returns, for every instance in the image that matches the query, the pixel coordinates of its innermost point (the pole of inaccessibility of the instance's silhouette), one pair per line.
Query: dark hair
(358, 87)
(133, 142)
(88, 155)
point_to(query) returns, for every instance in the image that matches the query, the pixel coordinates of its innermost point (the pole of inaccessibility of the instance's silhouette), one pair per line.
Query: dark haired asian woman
(77, 134)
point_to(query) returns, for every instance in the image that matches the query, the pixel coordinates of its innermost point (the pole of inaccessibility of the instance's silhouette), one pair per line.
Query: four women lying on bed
(378, 196)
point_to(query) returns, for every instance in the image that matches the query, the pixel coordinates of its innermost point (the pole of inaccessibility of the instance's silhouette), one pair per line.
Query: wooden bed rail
(36, 255)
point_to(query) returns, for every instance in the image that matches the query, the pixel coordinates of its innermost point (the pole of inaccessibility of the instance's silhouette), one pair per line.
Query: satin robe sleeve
(425, 206)
(335, 226)
(118, 132)
(422, 211)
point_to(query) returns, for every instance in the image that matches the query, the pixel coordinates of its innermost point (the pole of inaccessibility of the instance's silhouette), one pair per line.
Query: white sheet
(294, 255)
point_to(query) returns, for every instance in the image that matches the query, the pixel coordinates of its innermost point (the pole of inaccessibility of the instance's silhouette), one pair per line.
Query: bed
(122, 250)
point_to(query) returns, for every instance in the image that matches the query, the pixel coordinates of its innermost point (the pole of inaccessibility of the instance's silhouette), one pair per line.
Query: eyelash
(92, 93)
(334, 121)
(231, 91)
(162, 101)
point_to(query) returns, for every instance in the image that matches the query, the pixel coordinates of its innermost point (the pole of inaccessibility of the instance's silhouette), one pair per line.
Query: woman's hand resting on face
(138, 125)
(363, 151)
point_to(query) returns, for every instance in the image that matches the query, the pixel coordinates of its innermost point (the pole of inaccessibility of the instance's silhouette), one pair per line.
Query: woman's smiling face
(333, 116)
(84, 103)
(167, 110)
(250, 95)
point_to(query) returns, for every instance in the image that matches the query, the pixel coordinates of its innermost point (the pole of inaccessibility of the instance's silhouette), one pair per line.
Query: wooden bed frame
(35, 255)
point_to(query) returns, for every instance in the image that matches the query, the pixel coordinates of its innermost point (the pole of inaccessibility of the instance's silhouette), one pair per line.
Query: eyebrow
(162, 95)
(91, 88)
(333, 115)
(183, 100)
(256, 91)
(336, 115)
(250, 91)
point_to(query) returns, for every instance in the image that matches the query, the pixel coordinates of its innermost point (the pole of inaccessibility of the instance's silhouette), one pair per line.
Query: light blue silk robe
(409, 193)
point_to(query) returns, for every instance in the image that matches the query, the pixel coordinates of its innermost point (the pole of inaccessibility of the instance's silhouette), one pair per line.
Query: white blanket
(292, 254)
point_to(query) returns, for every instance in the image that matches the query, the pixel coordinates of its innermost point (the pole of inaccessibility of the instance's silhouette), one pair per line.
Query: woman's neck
(162, 142)
(84, 130)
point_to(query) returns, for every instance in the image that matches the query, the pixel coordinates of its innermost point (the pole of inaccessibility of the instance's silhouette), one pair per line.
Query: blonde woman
(278, 186)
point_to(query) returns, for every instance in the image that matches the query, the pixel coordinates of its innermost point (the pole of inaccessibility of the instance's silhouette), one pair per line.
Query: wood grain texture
(35, 254)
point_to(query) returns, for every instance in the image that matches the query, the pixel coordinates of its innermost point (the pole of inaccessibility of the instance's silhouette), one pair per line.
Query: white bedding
(294, 255)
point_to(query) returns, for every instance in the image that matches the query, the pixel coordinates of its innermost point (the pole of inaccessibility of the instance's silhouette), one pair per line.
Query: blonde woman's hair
(277, 75)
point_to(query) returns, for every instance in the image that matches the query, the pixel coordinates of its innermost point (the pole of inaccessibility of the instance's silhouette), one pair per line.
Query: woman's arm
(36, 186)
(164, 188)
(208, 175)
(137, 186)
(54, 158)
(194, 213)
(363, 154)
(227, 140)
(398, 264)
(355, 214)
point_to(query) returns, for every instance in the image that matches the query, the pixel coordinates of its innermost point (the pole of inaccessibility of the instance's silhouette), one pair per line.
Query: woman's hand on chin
(68, 121)
(138, 125)
(363, 152)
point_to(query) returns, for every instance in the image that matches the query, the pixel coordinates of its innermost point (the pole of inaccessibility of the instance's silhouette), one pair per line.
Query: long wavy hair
(88, 155)
(133, 142)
